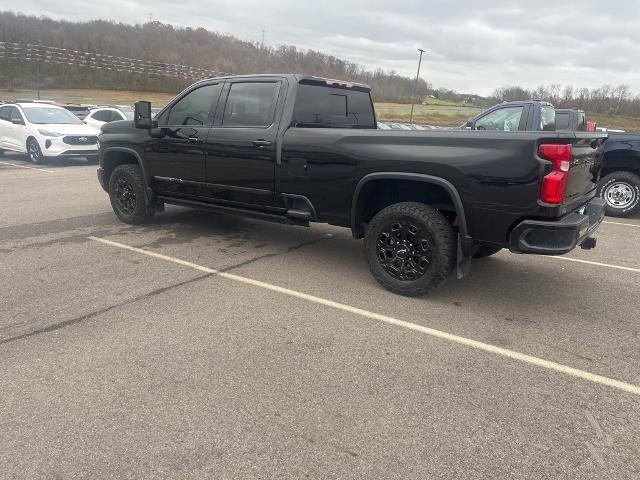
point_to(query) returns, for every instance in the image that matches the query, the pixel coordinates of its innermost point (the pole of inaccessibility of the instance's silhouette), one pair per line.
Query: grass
(442, 115)
(92, 97)
(434, 112)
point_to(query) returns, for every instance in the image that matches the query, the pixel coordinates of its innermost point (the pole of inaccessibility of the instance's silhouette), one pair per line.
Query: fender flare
(150, 194)
(441, 182)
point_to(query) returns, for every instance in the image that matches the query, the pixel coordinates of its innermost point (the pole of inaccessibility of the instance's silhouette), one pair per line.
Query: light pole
(415, 87)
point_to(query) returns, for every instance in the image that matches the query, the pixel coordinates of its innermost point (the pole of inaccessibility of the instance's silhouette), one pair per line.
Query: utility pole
(415, 87)
(38, 76)
(262, 43)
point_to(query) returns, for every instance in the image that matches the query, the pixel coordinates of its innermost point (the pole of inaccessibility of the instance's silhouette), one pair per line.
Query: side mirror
(142, 115)
(469, 125)
(17, 121)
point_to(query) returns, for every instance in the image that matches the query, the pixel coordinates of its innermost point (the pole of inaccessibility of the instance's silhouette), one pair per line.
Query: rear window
(327, 107)
(562, 121)
(547, 118)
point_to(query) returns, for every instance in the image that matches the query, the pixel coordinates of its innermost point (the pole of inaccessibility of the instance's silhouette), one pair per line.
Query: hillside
(160, 42)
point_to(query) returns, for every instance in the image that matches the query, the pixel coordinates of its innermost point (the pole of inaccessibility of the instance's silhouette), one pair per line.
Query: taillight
(554, 185)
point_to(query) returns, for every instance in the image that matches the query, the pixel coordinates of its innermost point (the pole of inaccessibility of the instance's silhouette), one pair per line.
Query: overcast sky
(473, 45)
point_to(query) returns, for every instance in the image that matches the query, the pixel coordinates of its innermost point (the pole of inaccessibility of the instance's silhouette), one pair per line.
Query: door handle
(194, 139)
(261, 143)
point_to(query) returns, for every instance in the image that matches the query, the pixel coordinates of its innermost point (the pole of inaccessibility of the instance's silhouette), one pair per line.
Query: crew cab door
(241, 147)
(174, 155)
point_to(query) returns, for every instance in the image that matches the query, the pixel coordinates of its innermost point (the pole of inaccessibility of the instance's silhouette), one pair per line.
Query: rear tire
(484, 252)
(621, 191)
(34, 152)
(411, 248)
(127, 194)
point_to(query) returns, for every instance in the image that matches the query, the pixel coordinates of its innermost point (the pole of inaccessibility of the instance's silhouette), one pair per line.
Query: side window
(5, 113)
(195, 107)
(102, 116)
(547, 118)
(116, 116)
(502, 120)
(250, 104)
(15, 114)
(562, 121)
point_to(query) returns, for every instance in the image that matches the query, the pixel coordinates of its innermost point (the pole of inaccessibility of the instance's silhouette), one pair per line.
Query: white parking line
(539, 362)
(608, 265)
(30, 168)
(624, 224)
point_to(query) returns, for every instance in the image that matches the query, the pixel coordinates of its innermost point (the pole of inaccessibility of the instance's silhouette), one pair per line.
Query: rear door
(5, 119)
(241, 147)
(15, 130)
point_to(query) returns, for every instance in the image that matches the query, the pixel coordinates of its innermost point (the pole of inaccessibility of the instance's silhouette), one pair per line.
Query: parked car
(101, 115)
(620, 183)
(80, 111)
(44, 132)
(399, 126)
(299, 149)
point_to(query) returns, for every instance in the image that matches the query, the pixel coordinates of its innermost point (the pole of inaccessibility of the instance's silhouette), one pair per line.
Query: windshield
(51, 115)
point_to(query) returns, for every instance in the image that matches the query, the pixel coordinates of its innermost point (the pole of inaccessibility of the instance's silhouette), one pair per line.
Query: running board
(257, 214)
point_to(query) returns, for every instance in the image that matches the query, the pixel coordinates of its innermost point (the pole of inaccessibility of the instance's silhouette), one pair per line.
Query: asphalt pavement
(211, 346)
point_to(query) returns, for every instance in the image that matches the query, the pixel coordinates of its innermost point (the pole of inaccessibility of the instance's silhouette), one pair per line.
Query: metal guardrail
(63, 56)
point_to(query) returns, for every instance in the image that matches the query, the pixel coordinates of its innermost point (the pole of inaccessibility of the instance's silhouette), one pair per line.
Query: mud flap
(463, 263)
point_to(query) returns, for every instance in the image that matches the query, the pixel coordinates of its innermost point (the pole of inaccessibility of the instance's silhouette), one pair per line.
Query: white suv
(101, 115)
(45, 131)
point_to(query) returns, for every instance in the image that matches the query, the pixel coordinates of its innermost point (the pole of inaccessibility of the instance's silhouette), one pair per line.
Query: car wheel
(127, 194)
(34, 151)
(410, 248)
(484, 252)
(621, 191)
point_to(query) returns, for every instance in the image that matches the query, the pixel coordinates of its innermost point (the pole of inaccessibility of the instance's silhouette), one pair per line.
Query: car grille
(80, 139)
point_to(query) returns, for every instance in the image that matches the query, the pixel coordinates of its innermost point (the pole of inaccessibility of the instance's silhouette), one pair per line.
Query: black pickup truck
(620, 183)
(300, 149)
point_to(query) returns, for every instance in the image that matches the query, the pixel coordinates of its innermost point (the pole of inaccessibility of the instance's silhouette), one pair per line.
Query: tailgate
(584, 172)
(584, 169)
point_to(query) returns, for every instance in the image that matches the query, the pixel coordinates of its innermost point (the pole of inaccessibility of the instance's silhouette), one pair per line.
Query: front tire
(621, 191)
(410, 248)
(127, 194)
(34, 151)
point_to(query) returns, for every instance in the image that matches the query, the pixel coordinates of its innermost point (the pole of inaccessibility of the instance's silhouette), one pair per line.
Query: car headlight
(48, 133)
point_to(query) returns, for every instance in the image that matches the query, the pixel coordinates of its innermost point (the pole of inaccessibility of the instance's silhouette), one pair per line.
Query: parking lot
(211, 346)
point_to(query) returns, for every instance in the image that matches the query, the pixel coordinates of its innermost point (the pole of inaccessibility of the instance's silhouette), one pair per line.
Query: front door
(241, 147)
(175, 155)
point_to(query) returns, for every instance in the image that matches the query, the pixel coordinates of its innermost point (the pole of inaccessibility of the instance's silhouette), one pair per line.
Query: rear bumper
(559, 236)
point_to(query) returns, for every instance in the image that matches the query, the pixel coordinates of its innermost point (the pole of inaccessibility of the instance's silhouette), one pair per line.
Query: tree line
(607, 100)
(156, 41)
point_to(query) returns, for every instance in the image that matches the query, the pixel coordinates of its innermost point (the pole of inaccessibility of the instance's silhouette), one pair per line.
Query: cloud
(472, 46)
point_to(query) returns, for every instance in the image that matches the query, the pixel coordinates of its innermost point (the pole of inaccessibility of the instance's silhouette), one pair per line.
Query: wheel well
(378, 194)
(30, 137)
(622, 164)
(112, 159)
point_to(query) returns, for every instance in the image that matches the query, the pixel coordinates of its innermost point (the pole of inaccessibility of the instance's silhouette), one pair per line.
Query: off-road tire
(430, 224)
(484, 251)
(628, 182)
(127, 194)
